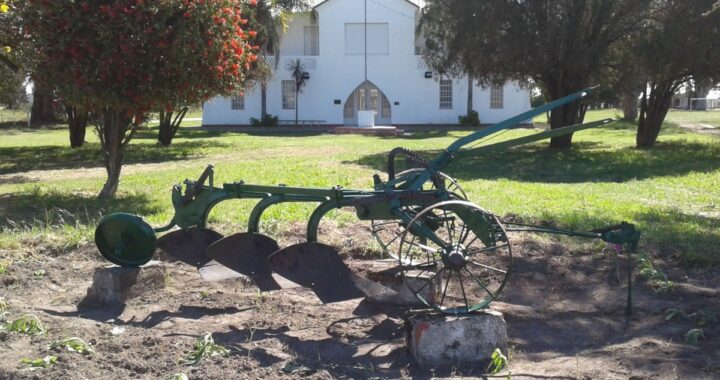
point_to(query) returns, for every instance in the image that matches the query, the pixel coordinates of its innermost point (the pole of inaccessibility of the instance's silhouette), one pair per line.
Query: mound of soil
(565, 315)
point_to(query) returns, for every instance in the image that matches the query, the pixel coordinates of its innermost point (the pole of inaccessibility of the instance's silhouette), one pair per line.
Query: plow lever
(193, 188)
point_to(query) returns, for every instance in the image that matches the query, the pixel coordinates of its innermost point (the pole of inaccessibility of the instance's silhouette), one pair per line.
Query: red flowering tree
(121, 58)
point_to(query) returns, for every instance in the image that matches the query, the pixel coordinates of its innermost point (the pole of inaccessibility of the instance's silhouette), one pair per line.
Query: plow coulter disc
(188, 245)
(125, 239)
(318, 267)
(244, 253)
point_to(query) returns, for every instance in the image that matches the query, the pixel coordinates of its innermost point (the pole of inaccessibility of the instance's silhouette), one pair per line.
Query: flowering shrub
(122, 58)
(135, 55)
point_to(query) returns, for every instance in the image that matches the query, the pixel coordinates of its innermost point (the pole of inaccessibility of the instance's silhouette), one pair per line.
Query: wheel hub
(455, 258)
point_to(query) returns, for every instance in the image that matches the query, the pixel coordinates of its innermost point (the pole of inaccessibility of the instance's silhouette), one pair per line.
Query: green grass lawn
(672, 192)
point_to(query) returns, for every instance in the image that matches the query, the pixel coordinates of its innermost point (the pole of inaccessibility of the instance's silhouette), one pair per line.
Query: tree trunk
(629, 106)
(263, 100)
(471, 81)
(42, 111)
(169, 126)
(653, 109)
(296, 108)
(115, 132)
(569, 114)
(77, 122)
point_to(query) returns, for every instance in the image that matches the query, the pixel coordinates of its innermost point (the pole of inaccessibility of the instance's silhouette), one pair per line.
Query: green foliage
(498, 362)
(142, 55)
(473, 119)
(45, 362)
(73, 345)
(27, 324)
(204, 347)
(558, 44)
(657, 277)
(704, 316)
(3, 268)
(672, 313)
(267, 121)
(694, 336)
(537, 100)
(12, 87)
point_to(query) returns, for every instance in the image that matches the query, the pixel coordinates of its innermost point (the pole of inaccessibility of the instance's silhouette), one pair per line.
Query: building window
(288, 94)
(385, 107)
(496, 97)
(378, 42)
(446, 91)
(237, 102)
(312, 40)
(349, 108)
(419, 38)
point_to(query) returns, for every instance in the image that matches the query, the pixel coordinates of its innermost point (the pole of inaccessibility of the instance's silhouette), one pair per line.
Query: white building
(349, 72)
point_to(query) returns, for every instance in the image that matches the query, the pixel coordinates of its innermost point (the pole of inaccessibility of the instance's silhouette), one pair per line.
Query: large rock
(114, 285)
(437, 340)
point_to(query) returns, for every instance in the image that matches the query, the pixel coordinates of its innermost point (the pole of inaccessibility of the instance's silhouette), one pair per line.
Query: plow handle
(195, 187)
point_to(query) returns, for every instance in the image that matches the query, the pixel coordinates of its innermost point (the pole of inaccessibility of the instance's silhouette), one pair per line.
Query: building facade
(363, 55)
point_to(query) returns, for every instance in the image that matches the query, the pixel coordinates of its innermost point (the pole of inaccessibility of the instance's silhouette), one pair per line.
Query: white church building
(363, 55)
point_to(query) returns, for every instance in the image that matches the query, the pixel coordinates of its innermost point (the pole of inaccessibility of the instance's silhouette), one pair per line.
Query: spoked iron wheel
(462, 261)
(387, 232)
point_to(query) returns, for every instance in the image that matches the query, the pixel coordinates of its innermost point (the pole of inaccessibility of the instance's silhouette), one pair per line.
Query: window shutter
(378, 39)
(354, 39)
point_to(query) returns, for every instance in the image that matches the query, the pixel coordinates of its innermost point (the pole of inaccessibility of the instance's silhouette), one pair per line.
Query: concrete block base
(436, 340)
(115, 285)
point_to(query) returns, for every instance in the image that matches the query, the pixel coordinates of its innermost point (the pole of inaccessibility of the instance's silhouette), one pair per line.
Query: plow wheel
(387, 232)
(455, 257)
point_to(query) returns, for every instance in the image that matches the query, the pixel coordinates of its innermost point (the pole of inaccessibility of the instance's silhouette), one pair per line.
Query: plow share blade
(189, 245)
(246, 254)
(318, 267)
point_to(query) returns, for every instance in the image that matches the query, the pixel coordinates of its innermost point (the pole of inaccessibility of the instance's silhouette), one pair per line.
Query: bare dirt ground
(564, 309)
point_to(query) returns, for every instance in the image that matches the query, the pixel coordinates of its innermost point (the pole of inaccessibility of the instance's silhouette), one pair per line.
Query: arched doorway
(367, 97)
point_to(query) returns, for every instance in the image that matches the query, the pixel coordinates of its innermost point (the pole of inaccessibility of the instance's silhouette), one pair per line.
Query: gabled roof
(413, 3)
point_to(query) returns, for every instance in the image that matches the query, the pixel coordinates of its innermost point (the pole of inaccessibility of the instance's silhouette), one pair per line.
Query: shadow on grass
(41, 208)
(21, 159)
(199, 133)
(694, 239)
(583, 163)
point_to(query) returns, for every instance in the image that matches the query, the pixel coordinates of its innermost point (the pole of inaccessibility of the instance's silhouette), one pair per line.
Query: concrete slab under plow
(438, 341)
(114, 285)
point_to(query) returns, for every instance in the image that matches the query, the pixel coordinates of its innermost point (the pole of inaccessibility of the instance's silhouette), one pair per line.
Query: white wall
(335, 75)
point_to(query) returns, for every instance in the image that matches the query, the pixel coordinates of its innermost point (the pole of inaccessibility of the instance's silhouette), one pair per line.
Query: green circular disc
(125, 239)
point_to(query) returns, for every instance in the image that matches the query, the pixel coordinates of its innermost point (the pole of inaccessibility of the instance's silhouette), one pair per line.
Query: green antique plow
(420, 217)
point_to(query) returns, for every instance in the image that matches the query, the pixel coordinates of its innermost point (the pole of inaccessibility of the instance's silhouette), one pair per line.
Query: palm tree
(298, 73)
(273, 18)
